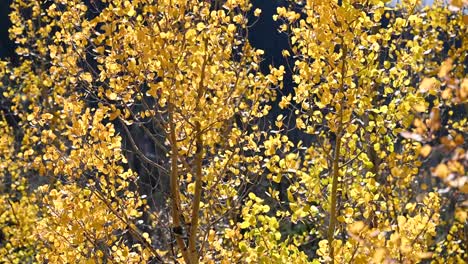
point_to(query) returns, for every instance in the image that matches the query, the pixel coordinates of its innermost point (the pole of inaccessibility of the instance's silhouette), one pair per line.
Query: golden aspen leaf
(457, 3)
(244, 225)
(459, 139)
(277, 236)
(131, 12)
(87, 77)
(279, 121)
(424, 186)
(427, 84)
(290, 195)
(276, 178)
(425, 255)
(257, 12)
(464, 188)
(419, 107)
(401, 220)
(30, 117)
(349, 212)
(231, 28)
(47, 82)
(425, 150)
(448, 142)
(134, 213)
(410, 207)
(356, 227)
(464, 90)
(300, 124)
(434, 120)
(441, 171)
(445, 68)
(211, 235)
(412, 136)
(446, 93)
(379, 255)
(47, 116)
(114, 114)
(200, 26)
(190, 34)
(461, 215)
(111, 95)
(243, 247)
(285, 101)
(191, 187)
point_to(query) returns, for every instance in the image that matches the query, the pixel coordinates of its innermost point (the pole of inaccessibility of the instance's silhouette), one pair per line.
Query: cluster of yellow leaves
(257, 238)
(17, 225)
(357, 93)
(18, 210)
(66, 149)
(402, 238)
(450, 89)
(76, 235)
(184, 73)
(182, 66)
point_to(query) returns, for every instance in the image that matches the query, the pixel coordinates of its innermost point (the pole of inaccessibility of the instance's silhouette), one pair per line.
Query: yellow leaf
(425, 151)
(200, 26)
(190, 34)
(356, 227)
(379, 255)
(279, 121)
(457, 3)
(276, 178)
(257, 12)
(410, 207)
(285, 101)
(419, 107)
(30, 117)
(131, 12)
(434, 119)
(445, 68)
(464, 90)
(277, 235)
(464, 189)
(425, 255)
(349, 212)
(87, 77)
(111, 95)
(231, 28)
(211, 235)
(441, 171)
(114, 114)
(427, 84)
(47, 116)
(290, 195)
(243, 246)
(244, 225)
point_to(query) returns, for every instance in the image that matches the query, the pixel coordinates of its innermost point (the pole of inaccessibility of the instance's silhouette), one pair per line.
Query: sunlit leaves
(373, 105)
(375, 82)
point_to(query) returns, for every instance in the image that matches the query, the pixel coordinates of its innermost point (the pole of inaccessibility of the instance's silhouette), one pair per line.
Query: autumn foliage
(143, 132)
